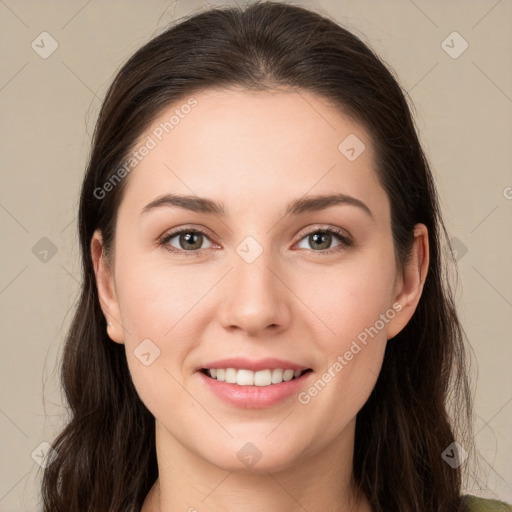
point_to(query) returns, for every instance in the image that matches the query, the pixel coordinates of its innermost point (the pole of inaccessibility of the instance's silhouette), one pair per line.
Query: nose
(255, 300)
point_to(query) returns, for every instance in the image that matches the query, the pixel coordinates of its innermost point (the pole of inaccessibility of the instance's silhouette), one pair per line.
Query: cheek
(350, 298)
(156, 305)
(154, 297)
(351, 357)
(355, 310)
(335, 398)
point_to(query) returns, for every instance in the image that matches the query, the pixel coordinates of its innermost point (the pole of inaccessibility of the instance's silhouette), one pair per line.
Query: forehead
(254, 147)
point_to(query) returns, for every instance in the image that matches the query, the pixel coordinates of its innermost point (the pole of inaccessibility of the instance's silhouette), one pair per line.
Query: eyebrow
(296, 207)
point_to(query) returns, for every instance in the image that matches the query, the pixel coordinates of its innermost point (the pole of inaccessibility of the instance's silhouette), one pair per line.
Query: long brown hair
(106, 453)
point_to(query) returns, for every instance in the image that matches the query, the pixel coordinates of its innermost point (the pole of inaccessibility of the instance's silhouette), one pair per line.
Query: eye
(187, 240)
(321, 240)
(191, 240)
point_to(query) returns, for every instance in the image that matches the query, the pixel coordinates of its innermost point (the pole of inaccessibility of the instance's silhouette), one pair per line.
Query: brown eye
(190, 241)
(186, 240)
(321, 240)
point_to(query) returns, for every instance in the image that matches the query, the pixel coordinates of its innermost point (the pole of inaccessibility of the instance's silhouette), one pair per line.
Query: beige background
(48, 109)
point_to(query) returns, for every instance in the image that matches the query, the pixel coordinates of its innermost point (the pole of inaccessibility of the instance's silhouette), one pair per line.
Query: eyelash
(346, 242)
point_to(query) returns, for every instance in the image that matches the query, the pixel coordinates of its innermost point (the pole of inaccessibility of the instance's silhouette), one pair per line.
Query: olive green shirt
(485, 505)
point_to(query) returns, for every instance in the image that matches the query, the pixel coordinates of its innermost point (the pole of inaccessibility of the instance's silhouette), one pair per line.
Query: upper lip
(242, 363)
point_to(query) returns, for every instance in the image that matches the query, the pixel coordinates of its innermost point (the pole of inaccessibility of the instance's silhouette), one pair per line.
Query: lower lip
(254, 397)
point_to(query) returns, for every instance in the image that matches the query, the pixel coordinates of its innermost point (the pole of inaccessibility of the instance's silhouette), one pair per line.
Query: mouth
(252, 383)
(260, 378)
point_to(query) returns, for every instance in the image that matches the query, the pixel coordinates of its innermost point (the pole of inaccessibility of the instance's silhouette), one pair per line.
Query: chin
(255, 457)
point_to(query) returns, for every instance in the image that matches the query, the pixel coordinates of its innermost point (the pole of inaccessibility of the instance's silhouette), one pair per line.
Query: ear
(409, 285)
(106, 288)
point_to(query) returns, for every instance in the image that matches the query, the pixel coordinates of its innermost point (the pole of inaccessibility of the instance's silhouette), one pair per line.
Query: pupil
(318, 237)
(188, 238)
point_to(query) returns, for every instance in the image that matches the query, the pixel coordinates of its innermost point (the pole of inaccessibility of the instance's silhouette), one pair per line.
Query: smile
(261, 378)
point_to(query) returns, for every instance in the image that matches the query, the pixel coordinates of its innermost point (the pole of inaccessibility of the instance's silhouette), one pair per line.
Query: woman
(261, 237)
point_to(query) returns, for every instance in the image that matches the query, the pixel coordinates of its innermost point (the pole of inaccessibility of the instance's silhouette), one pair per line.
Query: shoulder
(484, 505)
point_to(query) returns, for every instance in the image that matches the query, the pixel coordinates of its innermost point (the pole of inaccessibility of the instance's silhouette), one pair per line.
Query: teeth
(249, 378)
(244, 378)
(288, 375)
(231, 375)
(263, 378)
(277, 376)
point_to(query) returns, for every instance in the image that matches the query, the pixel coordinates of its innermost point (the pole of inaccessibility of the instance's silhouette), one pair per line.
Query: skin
(291, 303)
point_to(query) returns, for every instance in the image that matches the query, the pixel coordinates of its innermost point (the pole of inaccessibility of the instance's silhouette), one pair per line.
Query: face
(280, 258)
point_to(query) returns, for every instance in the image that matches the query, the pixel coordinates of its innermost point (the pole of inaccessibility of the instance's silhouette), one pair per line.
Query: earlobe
(106, 289)
(411, 282)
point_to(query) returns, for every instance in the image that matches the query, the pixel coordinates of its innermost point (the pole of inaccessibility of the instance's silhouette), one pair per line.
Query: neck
(322, 481)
